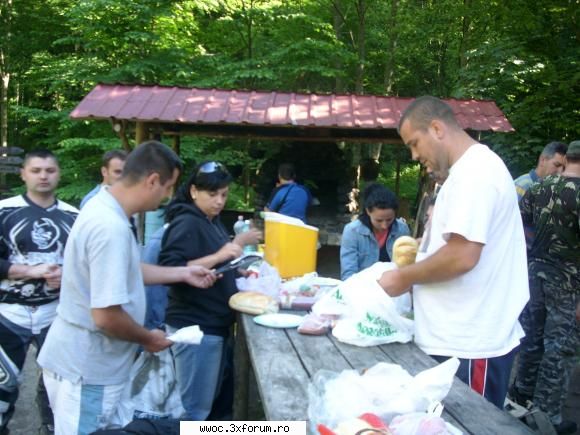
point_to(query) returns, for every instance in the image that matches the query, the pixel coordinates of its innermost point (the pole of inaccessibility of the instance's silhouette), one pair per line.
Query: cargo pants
(548, 351)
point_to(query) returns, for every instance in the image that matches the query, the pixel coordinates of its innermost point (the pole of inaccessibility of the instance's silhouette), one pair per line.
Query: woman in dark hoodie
(195, 235)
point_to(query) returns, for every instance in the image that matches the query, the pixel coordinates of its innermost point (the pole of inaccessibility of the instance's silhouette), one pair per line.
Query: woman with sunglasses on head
(195, 235)
(370, 238)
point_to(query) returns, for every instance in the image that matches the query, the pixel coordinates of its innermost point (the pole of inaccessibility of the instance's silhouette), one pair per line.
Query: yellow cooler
(290, 245)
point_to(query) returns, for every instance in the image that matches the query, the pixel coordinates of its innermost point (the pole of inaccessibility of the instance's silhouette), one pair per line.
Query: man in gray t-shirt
(90, 347)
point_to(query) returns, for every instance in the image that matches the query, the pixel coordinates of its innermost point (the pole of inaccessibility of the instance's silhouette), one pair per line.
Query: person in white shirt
(91, 345)
(470, 281)
(111, 170)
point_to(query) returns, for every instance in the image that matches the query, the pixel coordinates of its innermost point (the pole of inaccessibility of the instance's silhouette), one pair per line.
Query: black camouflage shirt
(552, 206)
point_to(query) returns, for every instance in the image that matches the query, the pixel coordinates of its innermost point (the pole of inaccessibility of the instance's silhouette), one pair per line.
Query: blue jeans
(199, 370)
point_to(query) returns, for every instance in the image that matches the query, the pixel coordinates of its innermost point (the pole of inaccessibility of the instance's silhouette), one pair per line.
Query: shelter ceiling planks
(278, 133)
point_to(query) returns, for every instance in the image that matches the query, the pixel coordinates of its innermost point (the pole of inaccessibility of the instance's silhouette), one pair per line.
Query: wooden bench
(283, 361)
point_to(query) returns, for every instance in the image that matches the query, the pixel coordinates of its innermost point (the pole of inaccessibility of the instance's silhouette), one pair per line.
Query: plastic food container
(290, 245)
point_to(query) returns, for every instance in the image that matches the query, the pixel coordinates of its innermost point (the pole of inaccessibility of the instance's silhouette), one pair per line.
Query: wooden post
(120, 128)
(141, 135)
(398, 173)
(141, 132)
(176, 145)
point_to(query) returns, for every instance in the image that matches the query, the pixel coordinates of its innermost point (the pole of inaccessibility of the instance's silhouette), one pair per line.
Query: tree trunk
(5, 22)
(337, 25)
(249, 25)
(442, 84)
(466, 21)
(246, 174)
(5, 77)
(247, 34)
(361, 10)
(390, 63)
(398, 173)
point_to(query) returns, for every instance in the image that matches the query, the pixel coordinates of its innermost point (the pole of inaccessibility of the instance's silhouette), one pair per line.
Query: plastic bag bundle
(386, 390)
(421, 423)
(267, 281)
(368, 316)
(152, 391)
(302, 292)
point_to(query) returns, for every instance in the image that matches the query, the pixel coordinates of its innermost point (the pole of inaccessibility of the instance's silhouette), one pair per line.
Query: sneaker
(566, 427)
(515, 409)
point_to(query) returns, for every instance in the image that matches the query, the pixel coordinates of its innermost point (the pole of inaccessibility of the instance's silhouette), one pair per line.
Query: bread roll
(405, 251)
(253, 303)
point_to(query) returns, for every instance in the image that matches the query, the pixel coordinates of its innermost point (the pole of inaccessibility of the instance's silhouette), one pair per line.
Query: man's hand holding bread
(404, 253)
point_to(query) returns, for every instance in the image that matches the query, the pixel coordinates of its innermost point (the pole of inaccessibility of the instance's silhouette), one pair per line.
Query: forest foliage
(523, 54)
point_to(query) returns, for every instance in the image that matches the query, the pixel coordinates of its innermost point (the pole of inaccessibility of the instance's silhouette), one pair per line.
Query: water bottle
(239, 225)
(248, 249)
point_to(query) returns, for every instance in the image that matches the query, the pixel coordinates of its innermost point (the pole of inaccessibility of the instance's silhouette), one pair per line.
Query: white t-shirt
(476, 314)
(101, 269)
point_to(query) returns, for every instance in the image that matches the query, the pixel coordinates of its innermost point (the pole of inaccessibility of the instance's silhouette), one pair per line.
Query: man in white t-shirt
(470, 281)
(90, 347)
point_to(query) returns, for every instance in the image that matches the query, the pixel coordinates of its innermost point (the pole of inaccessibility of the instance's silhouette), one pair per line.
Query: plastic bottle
(248, 249)
(239, 225)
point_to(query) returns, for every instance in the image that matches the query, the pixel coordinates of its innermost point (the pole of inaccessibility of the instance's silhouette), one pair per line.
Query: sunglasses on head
(211, 167)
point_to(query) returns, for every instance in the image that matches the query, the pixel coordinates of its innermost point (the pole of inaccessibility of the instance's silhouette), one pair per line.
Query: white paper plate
(328, 282)
(279, 320)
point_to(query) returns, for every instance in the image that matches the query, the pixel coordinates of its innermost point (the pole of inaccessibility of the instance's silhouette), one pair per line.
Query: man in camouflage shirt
(552, 318)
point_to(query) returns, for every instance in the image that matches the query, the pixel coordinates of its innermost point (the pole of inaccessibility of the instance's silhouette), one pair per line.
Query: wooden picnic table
(283, 361)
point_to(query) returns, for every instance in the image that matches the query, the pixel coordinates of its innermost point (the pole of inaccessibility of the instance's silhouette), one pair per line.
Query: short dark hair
(287, 171)
(113, 154)
(376, 195)
(40, 153)
(148, 158)
(425, 109)
(554, 148)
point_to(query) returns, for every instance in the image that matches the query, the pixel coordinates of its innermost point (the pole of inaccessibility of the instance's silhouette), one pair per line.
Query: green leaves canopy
(522, 54)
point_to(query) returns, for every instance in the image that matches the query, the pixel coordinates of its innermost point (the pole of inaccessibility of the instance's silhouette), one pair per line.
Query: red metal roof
(214, 106)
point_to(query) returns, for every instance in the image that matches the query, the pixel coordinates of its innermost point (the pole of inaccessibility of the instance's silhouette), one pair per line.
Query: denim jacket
(359, 248)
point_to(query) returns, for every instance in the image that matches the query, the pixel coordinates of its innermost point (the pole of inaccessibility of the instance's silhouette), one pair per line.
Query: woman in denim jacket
(371, 236)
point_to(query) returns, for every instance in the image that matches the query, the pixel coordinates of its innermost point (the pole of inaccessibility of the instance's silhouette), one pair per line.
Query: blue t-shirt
(156, 294)
(290, 199)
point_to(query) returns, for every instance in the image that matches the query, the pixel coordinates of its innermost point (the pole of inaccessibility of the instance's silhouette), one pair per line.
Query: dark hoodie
(190, 235)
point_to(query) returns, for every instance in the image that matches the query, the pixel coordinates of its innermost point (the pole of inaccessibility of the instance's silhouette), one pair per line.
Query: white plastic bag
(421, 423)
(152, 391)
(301, 293)
(368, 316)
(267, 282)
(299, 284)
(385, 389)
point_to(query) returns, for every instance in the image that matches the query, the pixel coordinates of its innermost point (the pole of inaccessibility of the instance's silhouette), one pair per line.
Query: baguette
(253, 303)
